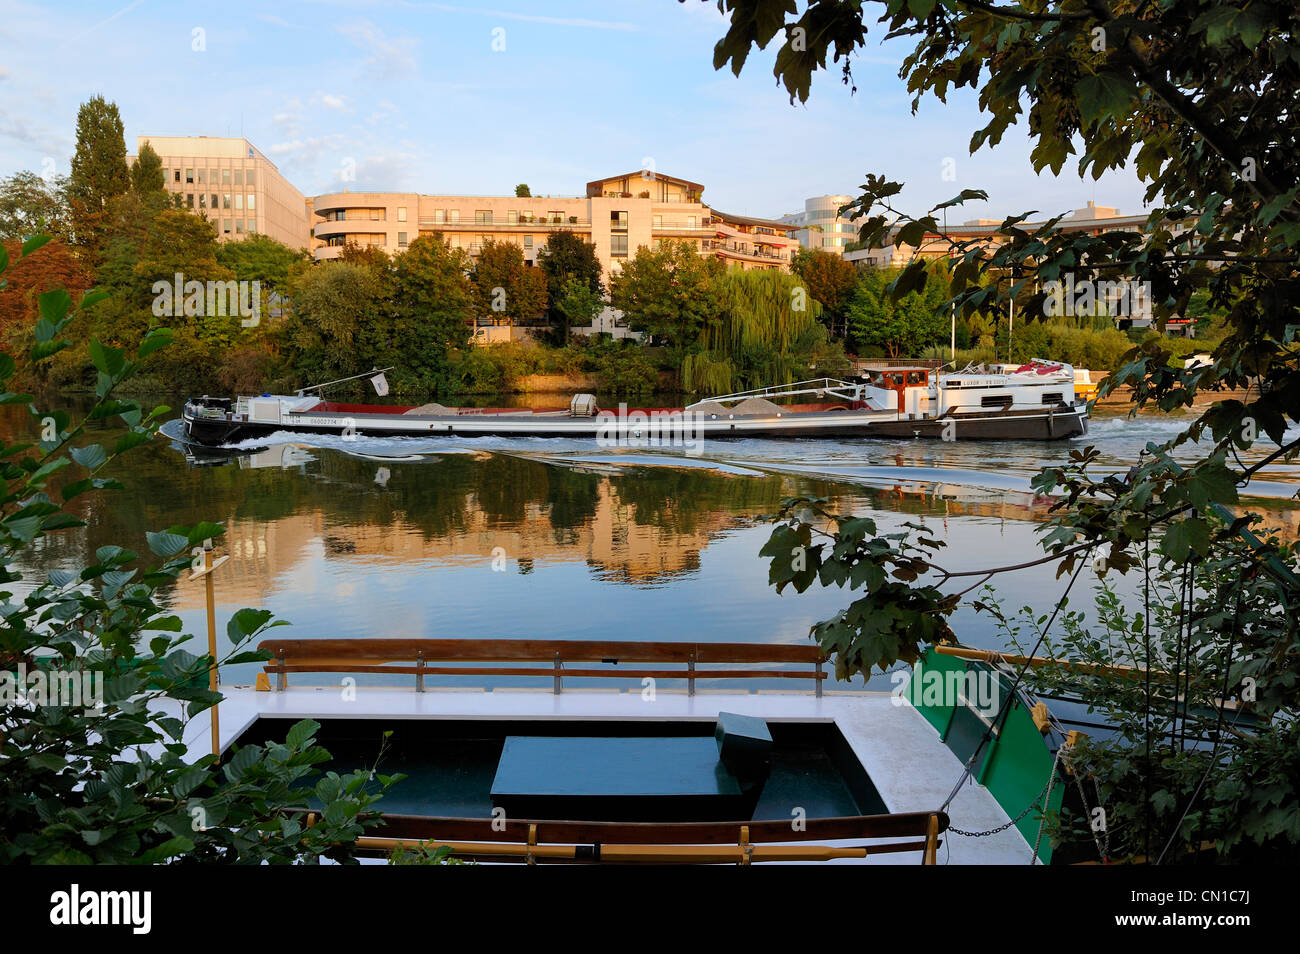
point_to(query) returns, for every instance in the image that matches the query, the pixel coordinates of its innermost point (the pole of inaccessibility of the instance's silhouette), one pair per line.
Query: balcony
(733, 250)
(520, 226)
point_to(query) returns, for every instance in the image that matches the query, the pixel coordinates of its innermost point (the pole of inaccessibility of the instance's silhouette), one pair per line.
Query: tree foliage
(102, 774)
(99, 172)
(1198, 97)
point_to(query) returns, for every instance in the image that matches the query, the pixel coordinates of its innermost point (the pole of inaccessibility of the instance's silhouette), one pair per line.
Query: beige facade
(617, 215)
(234, 186)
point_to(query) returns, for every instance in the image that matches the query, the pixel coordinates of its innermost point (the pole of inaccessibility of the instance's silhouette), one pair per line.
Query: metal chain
(1001, 828)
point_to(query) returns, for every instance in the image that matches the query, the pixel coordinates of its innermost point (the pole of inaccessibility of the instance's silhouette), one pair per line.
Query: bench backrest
(422, 657)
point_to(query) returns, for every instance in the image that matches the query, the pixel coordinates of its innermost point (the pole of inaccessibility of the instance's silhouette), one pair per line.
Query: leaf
(1102, 96)
(300, 733)
(90, 457)
(1184, 536)
(166, 544)
(33, 243)
(54, 305)
(169, 848)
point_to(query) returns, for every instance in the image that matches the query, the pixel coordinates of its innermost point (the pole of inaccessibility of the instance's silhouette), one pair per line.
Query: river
(561, 539)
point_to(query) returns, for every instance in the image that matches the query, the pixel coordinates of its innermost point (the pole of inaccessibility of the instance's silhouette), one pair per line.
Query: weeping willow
(766, 325)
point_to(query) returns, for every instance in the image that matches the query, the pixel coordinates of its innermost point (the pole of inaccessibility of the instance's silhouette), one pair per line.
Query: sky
(472, 99)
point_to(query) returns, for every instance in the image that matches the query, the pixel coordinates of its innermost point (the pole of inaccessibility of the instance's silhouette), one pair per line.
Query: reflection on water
(559, 538)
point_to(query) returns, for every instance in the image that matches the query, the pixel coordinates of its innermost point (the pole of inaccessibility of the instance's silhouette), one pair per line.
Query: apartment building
(821, 226)
(234, 185)
(617, 215)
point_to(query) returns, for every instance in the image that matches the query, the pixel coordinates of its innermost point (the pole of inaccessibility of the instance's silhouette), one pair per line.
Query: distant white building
(820, 225)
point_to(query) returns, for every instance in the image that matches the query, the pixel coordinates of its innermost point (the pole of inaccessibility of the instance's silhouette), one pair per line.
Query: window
(225, 226)
(528, 241)
(225, 200)
(401, 213)
(239, 200)
(453, 216)
(189, 175)
(690, 221)
(998, 400)
(239, 226)
(239, 177)
(1052, 397)
(252, 202)
(376, 215)
(177, 174)
(556, 216)
(618, 246)
(401, 239)
(512, 217)
(201, 177)
(225, 177)
(657, 221)
(189, 200)
(439, 216)
(212, 176)
(618, 222)
(212, 202)
(203, 200)
(483, 217)
(248, 177)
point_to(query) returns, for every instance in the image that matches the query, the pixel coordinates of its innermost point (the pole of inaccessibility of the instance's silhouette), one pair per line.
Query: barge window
(997, 400)
(1053, 398)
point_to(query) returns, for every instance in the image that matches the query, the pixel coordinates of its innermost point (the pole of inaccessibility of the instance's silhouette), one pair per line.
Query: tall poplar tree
(99, 172)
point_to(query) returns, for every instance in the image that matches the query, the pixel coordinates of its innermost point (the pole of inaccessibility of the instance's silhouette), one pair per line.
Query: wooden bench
(674, 842)
(549, 657)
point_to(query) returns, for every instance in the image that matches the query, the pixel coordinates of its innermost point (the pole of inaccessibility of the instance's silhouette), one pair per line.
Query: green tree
(506, 290)
(576, 307)
(669, 293)
(30, 204)
(764, 333)
(903, 328)
(99, 172)
(522, 191)
(567, 255)
(339, 318)
(831, 281)
(147, 171)
(433, 313)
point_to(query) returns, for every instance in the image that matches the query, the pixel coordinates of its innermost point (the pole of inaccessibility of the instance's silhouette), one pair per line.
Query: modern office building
(821, 226)
(234, 185)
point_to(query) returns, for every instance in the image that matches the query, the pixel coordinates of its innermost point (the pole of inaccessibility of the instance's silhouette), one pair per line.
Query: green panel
(1014, 766)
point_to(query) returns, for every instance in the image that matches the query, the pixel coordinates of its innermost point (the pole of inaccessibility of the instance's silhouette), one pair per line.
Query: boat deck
(903, 754)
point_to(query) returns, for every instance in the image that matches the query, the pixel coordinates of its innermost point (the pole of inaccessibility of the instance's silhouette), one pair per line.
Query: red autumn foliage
(53, 265)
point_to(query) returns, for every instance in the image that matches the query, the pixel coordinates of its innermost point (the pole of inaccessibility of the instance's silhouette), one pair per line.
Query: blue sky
(417, 98)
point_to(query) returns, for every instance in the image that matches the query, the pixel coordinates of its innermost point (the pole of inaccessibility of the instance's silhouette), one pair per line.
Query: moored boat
(1036, 401)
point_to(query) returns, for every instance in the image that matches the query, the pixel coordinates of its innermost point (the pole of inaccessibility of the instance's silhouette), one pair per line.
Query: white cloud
(386, 57)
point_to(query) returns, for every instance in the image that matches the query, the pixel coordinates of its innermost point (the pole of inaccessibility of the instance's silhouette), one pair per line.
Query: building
(236, 187)
(821, 226)
(1091, 219)
(617, 215)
